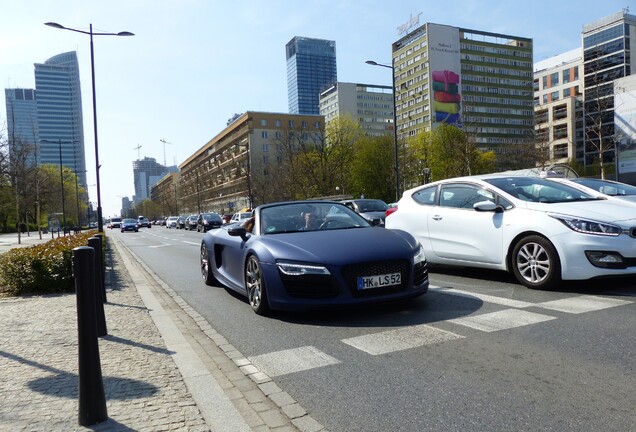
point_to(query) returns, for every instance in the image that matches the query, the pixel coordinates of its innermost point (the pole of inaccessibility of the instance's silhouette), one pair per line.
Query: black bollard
(100, 316)
(102, 266)
(92, 400)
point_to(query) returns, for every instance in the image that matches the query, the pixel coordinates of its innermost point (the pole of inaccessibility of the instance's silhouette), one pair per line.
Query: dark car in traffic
(370, 209)
(191, 222)
(129, 225)
(208, 221)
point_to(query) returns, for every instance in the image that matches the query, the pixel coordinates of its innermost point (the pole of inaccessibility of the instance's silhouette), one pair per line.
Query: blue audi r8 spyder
(312, 254)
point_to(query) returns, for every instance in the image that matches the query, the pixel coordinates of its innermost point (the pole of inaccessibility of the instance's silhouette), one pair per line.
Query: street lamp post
(59, 143)
(395, 133)
(100, 222)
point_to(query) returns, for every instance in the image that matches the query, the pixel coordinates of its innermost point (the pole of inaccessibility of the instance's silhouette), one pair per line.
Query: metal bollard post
(92, 400)
(102, 266)
(100, 316)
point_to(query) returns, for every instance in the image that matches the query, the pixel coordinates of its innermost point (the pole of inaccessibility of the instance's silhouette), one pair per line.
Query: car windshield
(212, 217)
(129, 221)
(607, 187)
(539, 190)
(365, 206)
(310, 216)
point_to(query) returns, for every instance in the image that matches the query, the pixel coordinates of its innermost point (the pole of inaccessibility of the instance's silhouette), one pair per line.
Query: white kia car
(541, 230)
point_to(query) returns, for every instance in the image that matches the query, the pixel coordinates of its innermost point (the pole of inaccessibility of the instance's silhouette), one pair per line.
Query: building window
(545, 98)
(554, 79)
(576, 73)
(566, 92)
(265, 148)
(278, 123)
(263, 122)
(554, 96)
(264, 134)
(566, 76)
(291, 123)
(545, 81)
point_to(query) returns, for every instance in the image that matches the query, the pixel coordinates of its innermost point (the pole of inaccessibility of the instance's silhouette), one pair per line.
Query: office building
(22, 119)
(146, 173)
(59, 113)
(558, 106)
(607, 56)
(311, 67)
(49, 117)
(625, 127)
(477, 80)
(370, 105)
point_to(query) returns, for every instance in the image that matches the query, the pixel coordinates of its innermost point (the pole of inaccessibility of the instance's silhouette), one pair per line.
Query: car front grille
(352, 272)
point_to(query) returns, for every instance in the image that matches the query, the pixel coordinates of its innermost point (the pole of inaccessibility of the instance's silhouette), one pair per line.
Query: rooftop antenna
(138, 153)
(164, 150)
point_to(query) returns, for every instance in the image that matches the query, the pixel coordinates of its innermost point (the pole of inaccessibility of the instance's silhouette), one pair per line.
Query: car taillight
(390, 211)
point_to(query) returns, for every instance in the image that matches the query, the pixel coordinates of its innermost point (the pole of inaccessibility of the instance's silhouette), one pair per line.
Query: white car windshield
(539, 190)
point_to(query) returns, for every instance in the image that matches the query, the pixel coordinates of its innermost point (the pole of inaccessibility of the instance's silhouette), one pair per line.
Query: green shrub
(43, 268)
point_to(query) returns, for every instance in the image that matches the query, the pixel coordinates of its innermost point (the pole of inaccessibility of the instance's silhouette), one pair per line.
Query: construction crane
(164, 150)
(138, 152)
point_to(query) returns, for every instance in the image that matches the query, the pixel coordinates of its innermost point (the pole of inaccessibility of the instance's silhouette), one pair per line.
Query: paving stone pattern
(39, 359)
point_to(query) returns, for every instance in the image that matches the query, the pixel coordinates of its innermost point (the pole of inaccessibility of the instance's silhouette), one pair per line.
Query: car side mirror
(487, 206)
(238, 231)
(376, 222)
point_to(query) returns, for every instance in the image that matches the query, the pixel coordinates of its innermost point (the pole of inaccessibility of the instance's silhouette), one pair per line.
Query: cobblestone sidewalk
(38, 364)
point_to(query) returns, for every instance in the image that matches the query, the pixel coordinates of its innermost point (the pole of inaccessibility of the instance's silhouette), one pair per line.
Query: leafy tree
(372, 168)
(452, 154)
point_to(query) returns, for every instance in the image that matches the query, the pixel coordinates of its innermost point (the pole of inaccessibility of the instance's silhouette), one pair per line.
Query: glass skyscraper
(311, 68)
(22, 117)
(59, 113)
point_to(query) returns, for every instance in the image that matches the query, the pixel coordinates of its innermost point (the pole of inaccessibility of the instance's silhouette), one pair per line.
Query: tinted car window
(463, 196)
(426, 195)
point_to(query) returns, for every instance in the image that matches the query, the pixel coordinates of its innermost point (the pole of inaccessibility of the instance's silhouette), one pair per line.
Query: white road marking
(292, 360)
(189, 242)
(501, 320)
(582, 304)
(400, 339)
(161, 245)
(519, 304)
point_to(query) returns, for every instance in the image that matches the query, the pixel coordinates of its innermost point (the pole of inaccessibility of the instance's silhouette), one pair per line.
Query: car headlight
(586, 226)
(419, 256)
(296, 269)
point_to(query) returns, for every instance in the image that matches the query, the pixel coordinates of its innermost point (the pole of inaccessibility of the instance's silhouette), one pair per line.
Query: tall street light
(59, 143)
(79, 218)
(100, 222)
(395, 133)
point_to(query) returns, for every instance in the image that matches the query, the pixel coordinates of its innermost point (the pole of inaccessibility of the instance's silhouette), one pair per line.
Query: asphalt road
(477, 353)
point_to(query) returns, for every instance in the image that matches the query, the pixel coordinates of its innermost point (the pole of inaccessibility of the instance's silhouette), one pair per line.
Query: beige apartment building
(558, 107)
(220, 176)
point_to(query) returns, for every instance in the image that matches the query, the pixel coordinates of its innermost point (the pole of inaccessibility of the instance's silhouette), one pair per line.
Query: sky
(193, 64)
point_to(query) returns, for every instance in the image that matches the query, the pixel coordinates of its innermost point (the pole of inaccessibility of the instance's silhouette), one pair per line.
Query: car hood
(601, 210)
(341, 246)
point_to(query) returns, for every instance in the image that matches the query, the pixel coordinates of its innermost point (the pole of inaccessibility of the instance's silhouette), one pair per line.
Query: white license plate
(367, 282)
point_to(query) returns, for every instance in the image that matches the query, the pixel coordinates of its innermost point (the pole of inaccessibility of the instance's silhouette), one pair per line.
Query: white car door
(458, 232)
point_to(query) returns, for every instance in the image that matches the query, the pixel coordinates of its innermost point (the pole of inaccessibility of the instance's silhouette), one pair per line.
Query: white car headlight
(295, 269)
(586, 226)
(419, 256)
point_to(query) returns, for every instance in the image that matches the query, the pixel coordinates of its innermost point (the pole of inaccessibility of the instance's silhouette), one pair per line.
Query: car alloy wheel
(536, 263)
(255, 286)
(206, 271)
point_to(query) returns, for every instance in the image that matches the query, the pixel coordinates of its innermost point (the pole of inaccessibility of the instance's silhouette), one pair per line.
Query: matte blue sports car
(310, 254)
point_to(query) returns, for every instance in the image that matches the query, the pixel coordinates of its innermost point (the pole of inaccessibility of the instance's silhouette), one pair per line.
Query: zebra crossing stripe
(501, 320)
(519, 304)
(582, 304)
(292, 360)
(400, 339)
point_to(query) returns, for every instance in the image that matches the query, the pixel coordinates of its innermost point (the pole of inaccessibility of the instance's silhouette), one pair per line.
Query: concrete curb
(242, 385)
